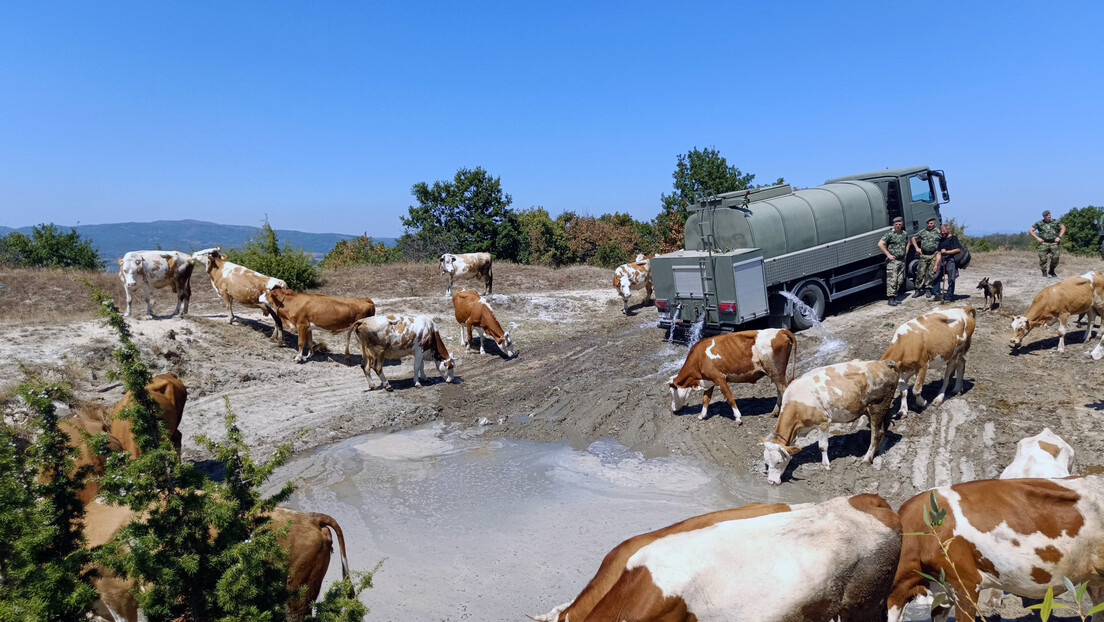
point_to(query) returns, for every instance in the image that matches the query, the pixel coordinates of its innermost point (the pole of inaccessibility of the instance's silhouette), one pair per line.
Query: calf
(396, 336)
(630, 276)
(1078, 294)
(474, 313)
(745, 356)
(157, 269)
(1017, 535)
(821, 562)
(303, 311)
(993, 292)
(238, 283)
(838, 393)
(942, 335)
(1044, 455)
(613, 565)
(469, 266)
(170, 395)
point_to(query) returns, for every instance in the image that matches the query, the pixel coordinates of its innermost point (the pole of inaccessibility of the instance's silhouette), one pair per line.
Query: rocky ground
(584, 372)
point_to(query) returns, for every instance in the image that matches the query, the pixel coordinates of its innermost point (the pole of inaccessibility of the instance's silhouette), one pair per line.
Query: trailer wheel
(813, 296)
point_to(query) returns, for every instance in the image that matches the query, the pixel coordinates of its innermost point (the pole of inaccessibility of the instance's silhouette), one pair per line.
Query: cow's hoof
(702, 417)
(739, 421)
(388, 388)
(937, 401)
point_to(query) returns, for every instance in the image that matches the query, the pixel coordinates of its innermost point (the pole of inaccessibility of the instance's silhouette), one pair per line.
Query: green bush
(262, 253)
(47, 247)
(610, 255)
(360, 251)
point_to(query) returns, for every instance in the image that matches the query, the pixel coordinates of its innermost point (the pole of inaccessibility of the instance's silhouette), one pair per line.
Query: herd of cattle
(844, 558)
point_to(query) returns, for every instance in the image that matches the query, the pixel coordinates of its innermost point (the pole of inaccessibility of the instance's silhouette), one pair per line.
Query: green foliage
(544, 241)
(1082, 229)
(49, 248)
(610, 255)
(341, 603)
(695, 171)
(467, 215)
(42, 554)
(360, 251)
(263, 253)
(1048, 605)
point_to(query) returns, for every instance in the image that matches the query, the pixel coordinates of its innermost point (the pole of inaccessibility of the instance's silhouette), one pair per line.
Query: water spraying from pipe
(829, 344)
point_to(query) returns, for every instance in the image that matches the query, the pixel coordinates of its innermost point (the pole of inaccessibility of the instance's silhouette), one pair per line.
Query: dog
(994, 293)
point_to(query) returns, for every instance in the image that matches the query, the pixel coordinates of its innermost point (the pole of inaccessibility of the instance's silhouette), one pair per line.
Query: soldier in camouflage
(1049, 233)
(894, 245)
(926, 244)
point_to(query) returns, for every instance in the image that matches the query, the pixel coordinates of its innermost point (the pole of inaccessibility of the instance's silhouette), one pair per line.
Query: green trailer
(748, 254)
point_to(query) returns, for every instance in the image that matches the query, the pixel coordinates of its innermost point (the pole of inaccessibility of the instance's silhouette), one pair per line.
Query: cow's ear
(119, 261)
(792, 449)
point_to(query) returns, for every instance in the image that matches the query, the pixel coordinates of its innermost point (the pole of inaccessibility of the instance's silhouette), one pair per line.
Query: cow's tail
(490, 277)
(793, 355)
(328, 521)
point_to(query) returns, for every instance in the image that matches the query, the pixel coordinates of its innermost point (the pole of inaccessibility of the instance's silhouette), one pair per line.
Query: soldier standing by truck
(1050, 237)
(926, 243)
(894, 245)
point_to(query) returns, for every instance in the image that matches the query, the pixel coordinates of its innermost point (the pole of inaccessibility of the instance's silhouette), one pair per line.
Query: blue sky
(323, 115)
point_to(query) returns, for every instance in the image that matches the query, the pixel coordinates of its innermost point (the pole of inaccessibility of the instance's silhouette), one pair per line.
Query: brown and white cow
(1044, 455)
(468, 266)
(1016, 535)
(157, 269)
(838, 393)
(169, 393)
(307, 543)
(305, 311)
(820, 562)
(238, 283)
(943, 335)
(745, 356)
(474, 313)
(1078, 294)
(613, 565)
(396, 336)
(630, 276)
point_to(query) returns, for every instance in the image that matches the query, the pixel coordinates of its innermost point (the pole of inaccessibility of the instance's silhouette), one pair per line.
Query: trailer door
(751, 289)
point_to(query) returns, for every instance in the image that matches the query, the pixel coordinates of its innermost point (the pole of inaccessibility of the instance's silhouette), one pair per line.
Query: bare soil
(584, 372)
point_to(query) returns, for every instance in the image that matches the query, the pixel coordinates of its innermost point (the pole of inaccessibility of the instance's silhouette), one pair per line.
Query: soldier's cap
(932, 219)
(898, 219)
(1046, 213)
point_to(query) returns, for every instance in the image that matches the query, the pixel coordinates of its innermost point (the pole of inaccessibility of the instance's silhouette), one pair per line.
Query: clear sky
(322, 115)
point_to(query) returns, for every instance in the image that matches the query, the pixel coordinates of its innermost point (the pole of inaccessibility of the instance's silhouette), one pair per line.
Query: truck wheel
(813, 296)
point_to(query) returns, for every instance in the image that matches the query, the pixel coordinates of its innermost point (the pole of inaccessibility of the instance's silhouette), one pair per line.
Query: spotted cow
(943, 335)
(745, 356)
(1044, 455)
(474, 313)
(630, 276)
(1017, 535)
(839, 393)
(238, 283)
(157, 269)
(1078, 294)
(396, 336)
(468, 266)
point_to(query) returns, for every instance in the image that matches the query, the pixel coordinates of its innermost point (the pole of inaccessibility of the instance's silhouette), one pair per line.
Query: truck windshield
(921, 189)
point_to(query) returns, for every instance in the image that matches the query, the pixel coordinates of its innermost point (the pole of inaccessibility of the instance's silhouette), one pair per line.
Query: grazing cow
(307, 542)
(233, 282)
(76, 428)
(396, 336)
(1044, 455)
(1077, 294)
(169, 393)
(942, 335)
(821, 562)
(303, 311)
(157, 269)
(838, 393)
(469, 266)
(745, 356)
(1016, 535)
(630, 276)
(613, 565)
(473, 312)
(992, 292)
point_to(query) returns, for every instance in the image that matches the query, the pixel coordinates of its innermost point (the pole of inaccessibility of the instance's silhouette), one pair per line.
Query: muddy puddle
(475, 528)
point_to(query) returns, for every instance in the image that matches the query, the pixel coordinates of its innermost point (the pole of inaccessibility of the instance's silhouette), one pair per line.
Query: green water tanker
(748, 254)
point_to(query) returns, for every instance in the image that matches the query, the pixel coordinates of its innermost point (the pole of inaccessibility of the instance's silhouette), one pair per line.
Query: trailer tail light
(661, 304)
(727, 307)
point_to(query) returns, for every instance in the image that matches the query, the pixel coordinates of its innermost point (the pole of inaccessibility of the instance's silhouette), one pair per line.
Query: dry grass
(35, 296)
(424, 279)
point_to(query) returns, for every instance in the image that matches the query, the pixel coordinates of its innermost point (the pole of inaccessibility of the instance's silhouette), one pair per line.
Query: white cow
(469, 266)
(157, 269)
(395, 336)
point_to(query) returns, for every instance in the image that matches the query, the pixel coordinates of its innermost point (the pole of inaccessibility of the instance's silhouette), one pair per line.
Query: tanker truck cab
(781, 255)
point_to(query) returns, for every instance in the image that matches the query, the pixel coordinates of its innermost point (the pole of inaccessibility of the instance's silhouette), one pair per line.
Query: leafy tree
(695, 171)
(467, 215)
(1081, 229)
(262, 252)
(360, 251)
(42, 554)
(610, 255)
(47, 247)
(544, 241)
(619, 234)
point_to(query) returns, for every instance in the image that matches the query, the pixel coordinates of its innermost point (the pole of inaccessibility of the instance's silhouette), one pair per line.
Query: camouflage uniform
(896, 243)
(928, 241)
(1049, 250)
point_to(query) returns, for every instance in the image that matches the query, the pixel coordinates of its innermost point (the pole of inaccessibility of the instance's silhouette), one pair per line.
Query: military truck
(747, 255)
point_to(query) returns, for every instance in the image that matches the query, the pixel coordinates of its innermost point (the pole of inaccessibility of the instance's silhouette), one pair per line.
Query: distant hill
(115, 239)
